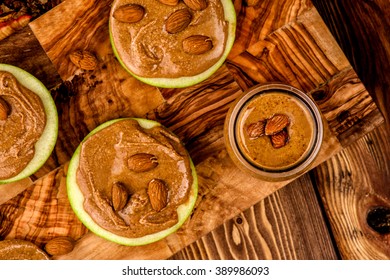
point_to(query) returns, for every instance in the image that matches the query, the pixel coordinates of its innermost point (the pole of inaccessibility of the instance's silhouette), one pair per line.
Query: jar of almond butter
(274, 132)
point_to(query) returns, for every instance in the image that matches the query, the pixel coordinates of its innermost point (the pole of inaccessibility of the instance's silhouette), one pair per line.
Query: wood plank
(297, 49)
(352, 184)
(20, 48)
(286, 225)
(355, 183)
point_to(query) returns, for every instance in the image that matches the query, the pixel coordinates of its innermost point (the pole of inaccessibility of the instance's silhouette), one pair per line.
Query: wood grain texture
(46, 212)
(18, 50)
(352, 184)
(286, 43)
(356, 181)
(286, 225)
(362, 29)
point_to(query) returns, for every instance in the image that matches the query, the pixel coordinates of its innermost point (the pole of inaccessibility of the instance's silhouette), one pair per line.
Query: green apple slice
(180, 82)
(45, 145)
(76, 198)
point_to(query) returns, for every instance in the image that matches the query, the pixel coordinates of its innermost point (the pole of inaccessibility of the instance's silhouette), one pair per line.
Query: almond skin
(84, 60)
(196, 5)
(178, 21)
(256, 130)
(197, 44)
(158, 194)
(142, 162)
(4, 109)
(119, 196)
(60, 246)
(130, 13)
(276, 124)
(279, 139)
(169, 2)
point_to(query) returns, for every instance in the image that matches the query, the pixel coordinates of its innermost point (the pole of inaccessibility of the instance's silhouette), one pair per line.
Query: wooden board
(286, 43)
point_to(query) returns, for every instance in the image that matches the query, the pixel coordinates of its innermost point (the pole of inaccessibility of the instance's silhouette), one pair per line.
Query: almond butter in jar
(274, 132)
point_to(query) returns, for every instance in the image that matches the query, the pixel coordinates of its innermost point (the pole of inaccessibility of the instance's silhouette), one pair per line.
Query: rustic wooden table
(340, 209)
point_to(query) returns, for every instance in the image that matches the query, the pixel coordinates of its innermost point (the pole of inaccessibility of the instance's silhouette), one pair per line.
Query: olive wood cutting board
(276, 41)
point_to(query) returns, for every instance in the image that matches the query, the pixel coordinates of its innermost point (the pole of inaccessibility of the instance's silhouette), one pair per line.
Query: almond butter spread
(296, 131)
(152, 40)
(133, 179)
(22, 126)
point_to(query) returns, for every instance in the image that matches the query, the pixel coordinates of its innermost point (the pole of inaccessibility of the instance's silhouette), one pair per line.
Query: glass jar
(274, 132)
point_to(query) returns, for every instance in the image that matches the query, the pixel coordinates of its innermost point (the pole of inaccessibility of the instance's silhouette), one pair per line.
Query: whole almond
(84, 60)
(142, 162)
(60, 246)
(256, 130)
(158, 194)
(178, 21)
(4, 109)
(276, 124)
(129, 13)
(279, 139)
(119, 196)
(196, 5)
(169, 2)
(197, 44)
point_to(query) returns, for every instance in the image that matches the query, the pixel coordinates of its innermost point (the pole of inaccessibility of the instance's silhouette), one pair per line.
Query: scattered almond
(196, 5)
(279, 139)
(4, 109)
(130, 13)
(142, 162)
(169, 2)
(276, 124)
(119, 196)
(256, 130)
(178, 21)
(197, 44)
(84, 60)
(60, 246)
(158, 194)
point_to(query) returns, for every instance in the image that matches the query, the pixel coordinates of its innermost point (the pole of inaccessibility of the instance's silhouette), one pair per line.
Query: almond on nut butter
(119, 196)
(256, 130)
(178, 21)
(197, 44)
(142, 162)
(196, 5)
(130, 13)
(84, 60)
(4, 109)
(158, 194)
(276, 124)
(279, 139)
(60, 245)
(169, 2)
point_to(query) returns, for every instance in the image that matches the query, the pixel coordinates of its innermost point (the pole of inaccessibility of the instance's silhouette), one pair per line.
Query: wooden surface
(348, 186)
(295, 47)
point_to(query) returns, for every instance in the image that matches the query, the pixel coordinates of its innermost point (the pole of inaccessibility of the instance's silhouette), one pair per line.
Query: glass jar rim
(307, 102)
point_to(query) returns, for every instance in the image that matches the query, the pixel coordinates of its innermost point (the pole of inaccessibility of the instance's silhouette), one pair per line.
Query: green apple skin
(48, 139)
(76, 198)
